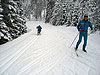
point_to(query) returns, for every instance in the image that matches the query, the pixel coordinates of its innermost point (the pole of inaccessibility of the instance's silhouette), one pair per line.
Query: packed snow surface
(50, 53)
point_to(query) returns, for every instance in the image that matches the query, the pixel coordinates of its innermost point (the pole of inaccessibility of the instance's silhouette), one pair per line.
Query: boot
(84, 50)
(76, 48)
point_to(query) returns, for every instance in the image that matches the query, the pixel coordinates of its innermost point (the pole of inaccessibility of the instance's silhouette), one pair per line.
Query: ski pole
(74, 40)
(90, 33)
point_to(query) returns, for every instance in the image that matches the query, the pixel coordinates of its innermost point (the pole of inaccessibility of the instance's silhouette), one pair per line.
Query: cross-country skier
(39, 30)
(83, 31)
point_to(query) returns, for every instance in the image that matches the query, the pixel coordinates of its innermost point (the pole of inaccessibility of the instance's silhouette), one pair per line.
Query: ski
(76, 53)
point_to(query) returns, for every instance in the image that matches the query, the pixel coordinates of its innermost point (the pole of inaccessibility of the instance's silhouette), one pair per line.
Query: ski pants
(39, 31)
(84, 35)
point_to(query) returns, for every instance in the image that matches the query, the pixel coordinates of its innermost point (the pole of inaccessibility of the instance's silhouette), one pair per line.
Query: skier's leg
(79, 41)
(85, 41)
(37, 32)
(40, 32)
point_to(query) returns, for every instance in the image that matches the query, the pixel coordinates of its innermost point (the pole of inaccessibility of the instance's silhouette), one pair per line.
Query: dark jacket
(39, 28)
(83, 25)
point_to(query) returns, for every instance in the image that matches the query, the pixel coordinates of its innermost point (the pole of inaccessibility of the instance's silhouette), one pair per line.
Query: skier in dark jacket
(83, 29)
(39, 30)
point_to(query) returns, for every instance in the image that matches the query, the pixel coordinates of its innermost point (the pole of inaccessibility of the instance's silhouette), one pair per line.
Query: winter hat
(85, 15)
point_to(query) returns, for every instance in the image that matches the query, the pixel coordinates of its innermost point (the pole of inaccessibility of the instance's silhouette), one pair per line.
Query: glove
(79, 30)
(91, 31)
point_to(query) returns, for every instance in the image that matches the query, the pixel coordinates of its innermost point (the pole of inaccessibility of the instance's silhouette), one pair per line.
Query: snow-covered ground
(49, 53)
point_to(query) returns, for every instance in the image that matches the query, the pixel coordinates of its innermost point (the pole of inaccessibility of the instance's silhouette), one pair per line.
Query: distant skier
(83, 29)
(39, 30)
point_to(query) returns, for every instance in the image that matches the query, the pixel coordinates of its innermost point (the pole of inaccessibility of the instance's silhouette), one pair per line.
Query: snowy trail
(49, 53)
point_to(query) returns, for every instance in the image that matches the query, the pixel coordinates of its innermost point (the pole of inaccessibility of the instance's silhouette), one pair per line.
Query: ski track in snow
(48, 54)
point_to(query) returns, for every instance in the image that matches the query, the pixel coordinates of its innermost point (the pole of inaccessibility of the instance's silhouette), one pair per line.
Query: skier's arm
(37, 27)
(78, 26)
(41, 27)
(90, 25)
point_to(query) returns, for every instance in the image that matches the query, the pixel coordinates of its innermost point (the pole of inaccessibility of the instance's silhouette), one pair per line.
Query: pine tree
(55, 18)
(95, 16)
(63, 13)
(17, 18)
(13, 22)
(4, 30)
(49, 9)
